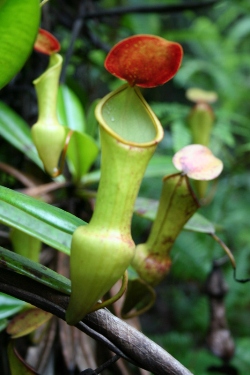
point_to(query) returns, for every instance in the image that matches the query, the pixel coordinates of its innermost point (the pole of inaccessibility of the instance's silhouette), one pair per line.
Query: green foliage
(178, 345)
(19, 23)
(217, 58)
(17, 132)
(9, 306)
(34, 271)
(82, 150)
(70, 110)
(51, 225)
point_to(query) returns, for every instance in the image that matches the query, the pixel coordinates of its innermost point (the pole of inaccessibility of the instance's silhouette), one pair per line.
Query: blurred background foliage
(216, 47)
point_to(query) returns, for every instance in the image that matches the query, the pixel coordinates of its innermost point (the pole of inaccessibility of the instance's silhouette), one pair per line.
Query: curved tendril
(141, 311)
(115, 297)
(225, 248)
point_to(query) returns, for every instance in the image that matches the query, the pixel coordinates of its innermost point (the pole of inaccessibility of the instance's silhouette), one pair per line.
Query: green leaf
(198, 223)
(17, 132)
(160, 166)
(51, 225)
(240, 30)
(27, 223)
(145, 24)
(27, 321)
(70, 110)
(9, 305)
(34, 271)
(19, 22)
(91, 177)
(180, 134)
(82, 152)
(146, 208)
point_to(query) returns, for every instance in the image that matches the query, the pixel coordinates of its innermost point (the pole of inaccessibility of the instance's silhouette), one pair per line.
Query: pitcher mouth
(125, 129)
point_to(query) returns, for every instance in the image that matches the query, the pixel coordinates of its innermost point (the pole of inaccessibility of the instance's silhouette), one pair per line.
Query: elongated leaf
(52, 215)
(16, 218)
(34, 271)
(17, 132)
(146, 208)
(19, 21)
(91, 178)
(160, 166)
(181, 135)
(82, 150)
(81, 154)
(198, 223)
(27, 322)
(9, 305)
(70, 110)
(51, 225)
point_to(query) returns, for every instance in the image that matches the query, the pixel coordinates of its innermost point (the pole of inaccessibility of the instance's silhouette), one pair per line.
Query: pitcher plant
(130, 132)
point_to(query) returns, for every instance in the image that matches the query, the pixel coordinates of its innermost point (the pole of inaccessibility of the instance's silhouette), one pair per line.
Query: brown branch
(20, 176)
(117, 335)
(38, 190)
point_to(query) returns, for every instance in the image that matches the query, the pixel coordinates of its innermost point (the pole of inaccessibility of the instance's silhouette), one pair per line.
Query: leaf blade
(19, 21)
(51, 225)
(34, 271)
(17, 132)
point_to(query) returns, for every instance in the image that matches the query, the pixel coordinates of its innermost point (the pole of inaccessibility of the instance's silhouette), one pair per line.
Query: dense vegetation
(215, 39)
